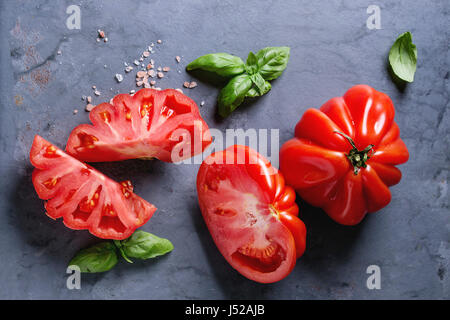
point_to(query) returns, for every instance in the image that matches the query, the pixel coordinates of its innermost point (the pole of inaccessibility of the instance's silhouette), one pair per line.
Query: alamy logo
(74, 280)
(374, 20)
(257, 139)
(374, 280)
(74, 20)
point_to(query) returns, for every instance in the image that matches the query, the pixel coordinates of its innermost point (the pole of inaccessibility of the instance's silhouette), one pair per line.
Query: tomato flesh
(84, 197)
(150, 124)
(264, 260)
(242, 203)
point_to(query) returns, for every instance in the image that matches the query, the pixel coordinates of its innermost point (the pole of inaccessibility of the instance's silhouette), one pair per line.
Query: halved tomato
(150, 124)
(250, 213)
(84, 197)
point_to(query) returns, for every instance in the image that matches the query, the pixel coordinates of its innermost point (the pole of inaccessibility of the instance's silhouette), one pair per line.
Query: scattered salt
(193, 84)
(119, 77)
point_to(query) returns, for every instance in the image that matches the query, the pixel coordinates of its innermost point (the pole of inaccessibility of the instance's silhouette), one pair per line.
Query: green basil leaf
(254, 92)
(223, 64)
(258, 82)
(272, 61)
(118, 244)
(251, 66)
(403, 57)
(144, 245)
(98, 258)
(232, 95)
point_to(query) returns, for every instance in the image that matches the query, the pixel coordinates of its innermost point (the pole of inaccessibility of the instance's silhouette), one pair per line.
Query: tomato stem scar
(357, 157)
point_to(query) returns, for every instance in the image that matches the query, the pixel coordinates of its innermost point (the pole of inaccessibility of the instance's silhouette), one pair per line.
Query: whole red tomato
(250, 213)
(343, 156)
(150, 124)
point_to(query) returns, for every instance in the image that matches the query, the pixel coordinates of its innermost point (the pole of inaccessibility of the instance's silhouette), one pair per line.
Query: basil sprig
(144, 245)
(232, 95)
(98, 258)
(247, 80)
(272, 61)
(103, 256)
(403, 57)
(223, 64)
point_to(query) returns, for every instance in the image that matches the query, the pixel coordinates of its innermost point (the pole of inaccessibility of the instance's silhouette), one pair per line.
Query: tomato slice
(150, 124)
(250, 213)
(84, 197)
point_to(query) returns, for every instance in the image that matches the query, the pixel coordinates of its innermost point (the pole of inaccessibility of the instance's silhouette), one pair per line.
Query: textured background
(331, 50)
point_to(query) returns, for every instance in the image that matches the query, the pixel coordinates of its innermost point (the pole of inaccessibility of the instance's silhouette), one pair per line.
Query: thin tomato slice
(84, 197)
(150, 124)
(250, 214)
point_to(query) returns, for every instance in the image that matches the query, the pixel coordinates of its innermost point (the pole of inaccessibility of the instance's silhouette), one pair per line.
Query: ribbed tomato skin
(315, 161)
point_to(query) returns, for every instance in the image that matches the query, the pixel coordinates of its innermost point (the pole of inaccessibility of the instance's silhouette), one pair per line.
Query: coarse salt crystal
(119, 77)
(193, 84)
